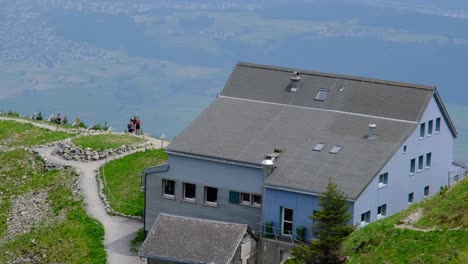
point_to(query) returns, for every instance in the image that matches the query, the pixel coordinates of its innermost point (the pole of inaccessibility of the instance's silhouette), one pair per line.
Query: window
(251, 199)
(313, 220)
(256, 200)
(420, 163)
(382, 211)
(412, 166)
(287, 223)
(319, 147)
(189, 192)
(168, 188)
(437, 128)
(426, 191)
(383, 180)
(322, 95)
(365, 218)
(410, 197)
(429, 128)
(404, 149)
(211, 196)
(336, 149)
(428, 160)
(422, 131)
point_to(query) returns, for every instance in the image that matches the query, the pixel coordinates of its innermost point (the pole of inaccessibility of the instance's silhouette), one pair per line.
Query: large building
(263, 152)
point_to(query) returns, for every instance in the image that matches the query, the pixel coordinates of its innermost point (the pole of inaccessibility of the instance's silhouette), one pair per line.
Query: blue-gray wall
(203, 173)
(400, 182)
(303, 205)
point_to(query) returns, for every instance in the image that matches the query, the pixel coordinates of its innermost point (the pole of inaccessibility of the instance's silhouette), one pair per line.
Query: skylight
(336, 149)
(322, 95)
(319, 147)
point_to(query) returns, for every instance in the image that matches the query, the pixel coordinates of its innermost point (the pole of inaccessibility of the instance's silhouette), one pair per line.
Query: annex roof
(192, 240)
(257, 112)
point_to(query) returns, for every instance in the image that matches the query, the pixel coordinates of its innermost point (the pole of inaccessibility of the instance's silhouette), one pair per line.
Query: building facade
(263, 152)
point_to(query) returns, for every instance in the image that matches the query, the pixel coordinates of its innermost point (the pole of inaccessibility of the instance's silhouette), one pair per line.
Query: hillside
(50, 209)
(432, 231)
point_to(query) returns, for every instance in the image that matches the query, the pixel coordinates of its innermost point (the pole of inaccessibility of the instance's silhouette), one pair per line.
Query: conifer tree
(330, 229)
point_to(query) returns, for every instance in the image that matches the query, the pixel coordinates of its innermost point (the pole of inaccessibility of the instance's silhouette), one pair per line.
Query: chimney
(268, 165)
(295, 79)
(372, 128)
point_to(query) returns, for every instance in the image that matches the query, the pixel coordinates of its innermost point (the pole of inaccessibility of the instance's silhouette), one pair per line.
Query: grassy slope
(124, 180)
(14, 134)
(76, 239)
(107, 141)
(381, 242)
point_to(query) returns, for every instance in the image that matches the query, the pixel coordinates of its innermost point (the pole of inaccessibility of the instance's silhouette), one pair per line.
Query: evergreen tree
(330, 229)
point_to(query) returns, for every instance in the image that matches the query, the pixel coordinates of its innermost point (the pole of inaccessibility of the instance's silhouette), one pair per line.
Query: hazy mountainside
(166, 60)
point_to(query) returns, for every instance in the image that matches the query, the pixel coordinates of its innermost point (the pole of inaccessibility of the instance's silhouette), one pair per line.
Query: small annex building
(176, 239)
(262, 153)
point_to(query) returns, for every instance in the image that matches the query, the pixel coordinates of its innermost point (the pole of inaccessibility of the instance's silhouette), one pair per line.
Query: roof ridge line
(319, 109)
(338, 76)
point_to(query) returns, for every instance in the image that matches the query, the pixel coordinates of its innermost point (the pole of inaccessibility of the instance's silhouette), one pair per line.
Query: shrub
(39, 116)
(13, 114)
(65, 120)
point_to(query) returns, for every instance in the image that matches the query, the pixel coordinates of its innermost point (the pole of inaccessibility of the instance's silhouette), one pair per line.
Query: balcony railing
(271, 232)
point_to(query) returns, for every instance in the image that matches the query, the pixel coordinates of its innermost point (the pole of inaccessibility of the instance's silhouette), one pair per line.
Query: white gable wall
(400, 182)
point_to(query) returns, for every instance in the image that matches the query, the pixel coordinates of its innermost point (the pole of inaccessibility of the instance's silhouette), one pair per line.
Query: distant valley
(166, 60)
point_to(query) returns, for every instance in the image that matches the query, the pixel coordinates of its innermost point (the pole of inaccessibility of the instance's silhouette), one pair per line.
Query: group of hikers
(134, 125)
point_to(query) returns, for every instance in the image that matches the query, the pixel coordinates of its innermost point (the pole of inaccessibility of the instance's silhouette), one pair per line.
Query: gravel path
(25, 121)
(119, 231)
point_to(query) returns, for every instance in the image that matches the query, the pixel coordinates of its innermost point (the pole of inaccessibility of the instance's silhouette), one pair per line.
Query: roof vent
(267, 165)
(295, 79)
(372, 128)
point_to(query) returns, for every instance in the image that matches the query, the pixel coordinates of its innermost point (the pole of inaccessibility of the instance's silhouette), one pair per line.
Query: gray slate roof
(192, 240)
(347, 93)
(257, 113)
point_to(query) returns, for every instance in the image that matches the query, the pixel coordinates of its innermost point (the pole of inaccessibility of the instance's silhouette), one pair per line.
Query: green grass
(106, 141)
(14, 134)
(75, 239)
(123, 177)
(381, 242)
(137, 241)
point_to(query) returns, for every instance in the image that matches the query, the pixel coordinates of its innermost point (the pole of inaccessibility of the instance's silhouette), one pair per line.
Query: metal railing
(277, 234)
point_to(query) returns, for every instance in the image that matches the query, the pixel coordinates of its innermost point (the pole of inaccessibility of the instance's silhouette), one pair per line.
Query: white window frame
(420, 163)
(428, 160)
(422, 131)
(367, 216)
(188, 199)
(163, 189)
(404, 149)
(383, 180)
(205, 196)
(428, 191)
(250, 201)
(382, 211)
(411, 195)
(286, 221)
(430, 128)
(437, 125)
(412, 166)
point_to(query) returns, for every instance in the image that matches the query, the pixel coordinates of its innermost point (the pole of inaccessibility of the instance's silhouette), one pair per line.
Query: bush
(82, 124)
(13, 114)
(98, 126)
(39, 116)
(65, 120)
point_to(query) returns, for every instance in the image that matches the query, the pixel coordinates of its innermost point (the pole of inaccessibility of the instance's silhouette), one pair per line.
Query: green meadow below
(122, 178)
